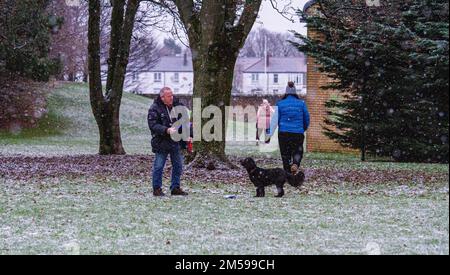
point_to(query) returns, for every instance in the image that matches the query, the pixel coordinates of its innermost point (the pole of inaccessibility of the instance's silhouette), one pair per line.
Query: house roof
(247, 65)
(173, 64)
(279, 65)
(244, 62)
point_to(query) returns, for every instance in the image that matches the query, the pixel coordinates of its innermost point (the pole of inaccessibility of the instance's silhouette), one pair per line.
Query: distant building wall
(316, 99)
(252, 83)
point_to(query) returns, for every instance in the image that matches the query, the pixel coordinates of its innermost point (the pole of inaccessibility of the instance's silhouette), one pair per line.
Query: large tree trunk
(106, 108)
(215, 38)
(109, 128)
(213, 82)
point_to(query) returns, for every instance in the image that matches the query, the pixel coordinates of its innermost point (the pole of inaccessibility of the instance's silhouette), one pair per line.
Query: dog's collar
(253, 170)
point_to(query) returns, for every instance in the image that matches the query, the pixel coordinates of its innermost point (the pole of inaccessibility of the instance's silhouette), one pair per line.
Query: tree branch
(190, 18)
(95, 81)
(285, 11)
(245, 24)
(116, 34)
(124, 50)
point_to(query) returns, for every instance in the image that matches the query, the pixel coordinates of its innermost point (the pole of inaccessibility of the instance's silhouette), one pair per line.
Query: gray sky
(270, 19)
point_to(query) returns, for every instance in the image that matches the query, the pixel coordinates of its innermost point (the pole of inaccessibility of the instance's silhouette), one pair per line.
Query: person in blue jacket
(292, 117)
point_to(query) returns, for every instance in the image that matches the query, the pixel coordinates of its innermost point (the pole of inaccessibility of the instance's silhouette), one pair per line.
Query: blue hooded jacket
(291, 115)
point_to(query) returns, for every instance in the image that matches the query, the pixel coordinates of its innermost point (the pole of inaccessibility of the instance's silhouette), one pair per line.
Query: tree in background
(25, 35)
(70, 43)
(106, 106)
(128, 50)
(428, 79)
(278, 44)
(390, 66)
(216, 31)
(170, 48)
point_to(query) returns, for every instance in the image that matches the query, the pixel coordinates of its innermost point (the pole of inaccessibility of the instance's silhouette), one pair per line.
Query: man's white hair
(163, 90)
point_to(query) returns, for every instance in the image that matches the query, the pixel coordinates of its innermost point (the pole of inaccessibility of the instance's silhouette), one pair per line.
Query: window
(156, 90)
(296, 78)
(157, 77)
(300, 79)
(176, 91)
(135, 76)
(255, 78)
(176, 77)
(275, 91)
(275, 78)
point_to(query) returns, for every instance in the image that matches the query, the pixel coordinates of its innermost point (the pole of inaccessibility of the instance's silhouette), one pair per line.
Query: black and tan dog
(265, 177)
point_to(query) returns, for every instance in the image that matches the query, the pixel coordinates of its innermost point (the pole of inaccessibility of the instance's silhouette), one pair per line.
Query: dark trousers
(291, 148)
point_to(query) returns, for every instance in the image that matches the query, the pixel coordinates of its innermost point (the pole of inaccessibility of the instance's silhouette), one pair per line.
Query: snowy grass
(70, 127)
(105, 217)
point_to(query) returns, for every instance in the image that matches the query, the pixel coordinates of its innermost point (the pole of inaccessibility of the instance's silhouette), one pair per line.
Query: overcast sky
(270, 19)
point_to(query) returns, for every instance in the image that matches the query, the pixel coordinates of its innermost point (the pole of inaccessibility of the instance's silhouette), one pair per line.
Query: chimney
(268, 59)
(185, 61)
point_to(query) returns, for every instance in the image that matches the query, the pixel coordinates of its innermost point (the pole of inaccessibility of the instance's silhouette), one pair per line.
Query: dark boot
(178, 192)
(158, 193)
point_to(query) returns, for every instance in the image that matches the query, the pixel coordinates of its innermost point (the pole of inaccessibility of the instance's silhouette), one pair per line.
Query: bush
(22, 103)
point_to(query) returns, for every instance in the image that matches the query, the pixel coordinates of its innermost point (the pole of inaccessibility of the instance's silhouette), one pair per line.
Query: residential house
(171, 71)
(270, 75)
(252, 76)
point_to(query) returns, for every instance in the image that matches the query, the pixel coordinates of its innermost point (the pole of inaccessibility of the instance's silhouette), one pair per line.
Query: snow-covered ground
(87, 216)
(70, 201)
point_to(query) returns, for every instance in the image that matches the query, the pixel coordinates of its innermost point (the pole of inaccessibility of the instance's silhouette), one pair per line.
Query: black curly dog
(266, 177)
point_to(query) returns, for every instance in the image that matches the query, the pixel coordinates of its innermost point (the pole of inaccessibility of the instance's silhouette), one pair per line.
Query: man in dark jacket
(161, 120)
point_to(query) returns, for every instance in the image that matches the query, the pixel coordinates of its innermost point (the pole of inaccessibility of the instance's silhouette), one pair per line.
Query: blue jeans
(177, 168)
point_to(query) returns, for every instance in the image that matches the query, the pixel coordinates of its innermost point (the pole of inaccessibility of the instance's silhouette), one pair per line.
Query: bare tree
(170, 48)
(278, 44)
(216, 31)
(106, 106)
(119, 36)
(69, 44)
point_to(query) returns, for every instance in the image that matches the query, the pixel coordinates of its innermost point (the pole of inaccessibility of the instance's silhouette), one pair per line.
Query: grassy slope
(70, 127)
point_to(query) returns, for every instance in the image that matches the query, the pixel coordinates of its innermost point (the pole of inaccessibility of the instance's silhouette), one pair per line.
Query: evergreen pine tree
(390, 66)
(25, 33)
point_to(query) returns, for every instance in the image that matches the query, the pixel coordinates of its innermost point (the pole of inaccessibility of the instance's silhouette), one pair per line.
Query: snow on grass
(85, 216)
(405, 213)
(72, 129)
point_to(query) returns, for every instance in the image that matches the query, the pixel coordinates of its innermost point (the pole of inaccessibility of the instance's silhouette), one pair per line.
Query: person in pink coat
(263, 117)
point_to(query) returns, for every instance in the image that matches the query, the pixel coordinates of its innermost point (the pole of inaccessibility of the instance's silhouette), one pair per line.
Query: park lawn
(102, 215)
(88, 216)
(70, 129)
